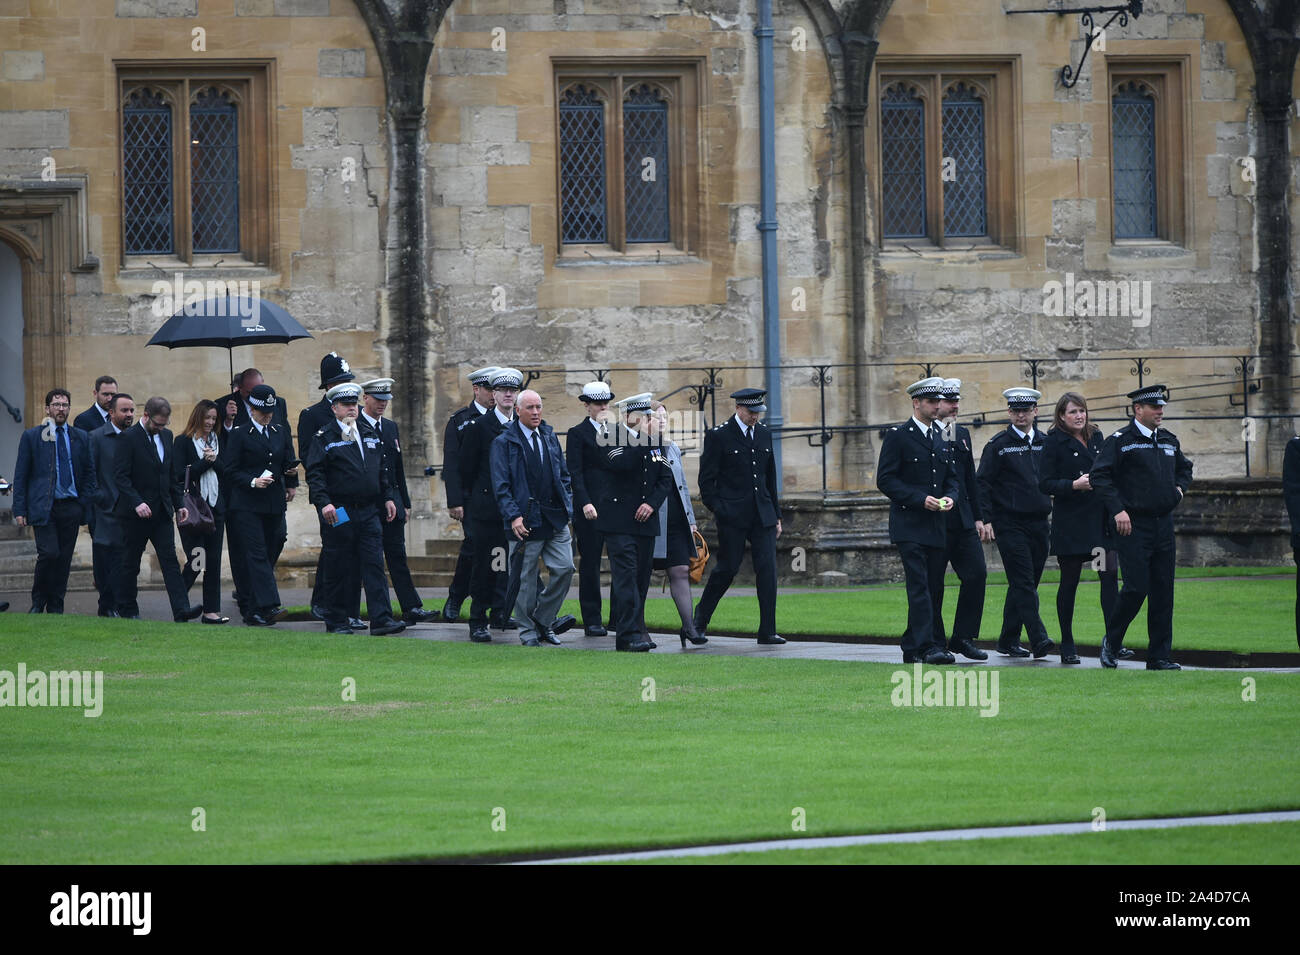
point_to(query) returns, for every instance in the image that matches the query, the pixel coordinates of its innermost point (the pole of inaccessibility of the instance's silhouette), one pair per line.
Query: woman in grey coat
(675, 545)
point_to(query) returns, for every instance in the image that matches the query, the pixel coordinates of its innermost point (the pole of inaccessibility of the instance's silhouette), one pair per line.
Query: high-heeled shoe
(694, 637)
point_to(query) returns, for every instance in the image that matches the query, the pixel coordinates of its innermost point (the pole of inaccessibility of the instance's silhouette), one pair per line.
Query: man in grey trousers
(535, 497)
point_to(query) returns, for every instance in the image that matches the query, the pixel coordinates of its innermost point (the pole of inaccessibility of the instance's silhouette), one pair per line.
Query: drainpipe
(767, 226)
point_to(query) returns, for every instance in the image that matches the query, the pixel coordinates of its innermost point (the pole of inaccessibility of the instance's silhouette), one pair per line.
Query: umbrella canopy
(227, 322)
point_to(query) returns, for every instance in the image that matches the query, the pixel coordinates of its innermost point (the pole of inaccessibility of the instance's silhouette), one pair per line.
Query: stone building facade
(401, 172)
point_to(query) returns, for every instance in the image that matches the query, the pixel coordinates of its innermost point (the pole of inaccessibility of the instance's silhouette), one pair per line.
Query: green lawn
(250, 725)
(1254, 844)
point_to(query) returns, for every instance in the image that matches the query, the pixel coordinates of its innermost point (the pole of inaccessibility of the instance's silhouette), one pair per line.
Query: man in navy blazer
(53, 483)
(534, 494)
(107, 532)
(148, 496)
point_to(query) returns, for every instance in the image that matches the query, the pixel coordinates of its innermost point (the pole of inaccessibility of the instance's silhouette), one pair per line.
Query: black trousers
(590, 544)
(155, 530)
(211, 562)
(488, 582)
(1146, 562)
(730, 552)
(255, 545)
(395, 558)
(1023, 543)
(318, 591)
(459, 589)
(359, 542)
(923, 568)
(966, 555)
(104, 564)
(631, 560)
(55, 541)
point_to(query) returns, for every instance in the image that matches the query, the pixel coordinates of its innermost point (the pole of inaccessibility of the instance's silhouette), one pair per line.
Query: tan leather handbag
(700, 559)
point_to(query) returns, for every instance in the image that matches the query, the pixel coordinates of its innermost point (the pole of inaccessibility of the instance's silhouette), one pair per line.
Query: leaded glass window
(147, 173)
(965, 205)
(214, 172)
(1133, 134)
(582, 166)
(645, 164)
(902, 148)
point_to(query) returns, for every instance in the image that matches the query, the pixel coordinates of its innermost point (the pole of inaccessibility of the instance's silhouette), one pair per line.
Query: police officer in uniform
(915, 471)
(376, 394)
(966, 529)
(1017, 510)
(481, 382)
(487, 588)
(584, 442)
(1141, 476)
(738, 484)
(333, 371)
(349, 487)
(259, 466)
(629, 482)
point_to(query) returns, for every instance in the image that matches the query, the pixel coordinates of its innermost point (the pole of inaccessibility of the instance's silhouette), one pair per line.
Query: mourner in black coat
(1141, 476)
(198, 449)
(738, 484)
(108, 532)
(915, 471)
(458, 590)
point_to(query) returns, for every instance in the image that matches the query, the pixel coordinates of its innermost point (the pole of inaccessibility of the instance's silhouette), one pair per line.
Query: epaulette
(320, 432)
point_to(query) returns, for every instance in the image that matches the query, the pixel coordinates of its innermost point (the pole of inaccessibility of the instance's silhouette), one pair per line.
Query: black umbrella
(227, 322)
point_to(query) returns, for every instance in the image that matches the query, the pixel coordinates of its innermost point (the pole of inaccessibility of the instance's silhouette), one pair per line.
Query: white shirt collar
(1026, 435)
(921, 425)
(502, 418)
(744, 428)
(598, 425)
(481, 410)
(374, 422)
(102, 413)
(116, 429)
(1146, 432)
(528, 432)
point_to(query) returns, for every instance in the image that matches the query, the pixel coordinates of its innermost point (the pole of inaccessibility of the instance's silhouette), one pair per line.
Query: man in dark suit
(349, 487)
(583, 443)
(148, 496)
(481, 382)
(1291, 494)
(738, 484)
(966, 529)
(376, 395)
(535, 500)
(90, 420)
(259, 467)
(482, 518)
(915, 471)
(333, 371)
(108, 532)
(628, 483)
(53, 479)
(96, 416)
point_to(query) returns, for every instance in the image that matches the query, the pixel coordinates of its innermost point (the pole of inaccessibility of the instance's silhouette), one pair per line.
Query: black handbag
(198, 517)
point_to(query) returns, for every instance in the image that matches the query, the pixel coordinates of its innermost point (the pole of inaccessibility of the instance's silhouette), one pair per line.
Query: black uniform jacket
(246, 455)
(969, 506)
(630, 472)
(737, 479)
(909, 470)
(279, 415)
(581, 446)
(451, 441)
(139, 475)
(391, 441)
(476, 467)
(310, 420)
(1008, 477)
(336, 472)
(1140, 475)
(1078, 517)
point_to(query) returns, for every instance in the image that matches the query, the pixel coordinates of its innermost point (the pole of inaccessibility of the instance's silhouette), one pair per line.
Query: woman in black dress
(1079, 520)
(197, 447)
(675, 545)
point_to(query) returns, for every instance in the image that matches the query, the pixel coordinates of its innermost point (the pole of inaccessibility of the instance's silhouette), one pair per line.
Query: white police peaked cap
(926, 388)
(1021, 397)
(483, 376)
(381, 388)
(596, 391)
(636, 403)
(347, 391)
(1150, 394)
(508, 378)
(952, 388)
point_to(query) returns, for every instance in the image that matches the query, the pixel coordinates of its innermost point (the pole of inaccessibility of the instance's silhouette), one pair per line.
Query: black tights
(1071, 566)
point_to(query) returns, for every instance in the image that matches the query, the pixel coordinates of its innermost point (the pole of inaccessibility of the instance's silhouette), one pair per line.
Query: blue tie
(63, 484)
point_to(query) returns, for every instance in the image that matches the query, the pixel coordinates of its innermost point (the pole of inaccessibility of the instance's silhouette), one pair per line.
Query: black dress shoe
(548, 636)
(480, 634)
(1069, 656)
(913, 656)
(595, 631)
(384, 628)
(635, 644)
(563, 623)
(36, 609)
(256, 620)
(1124, 653)
(218, 621)
(356, 623)
(968, 650)
(530, 642)
(420, 615)
(343, 629)
(1043, 649)
(273, 612)
(1012, 649)
(692, 636)
(4, 605)
(504, 623)
(1162, 665)
(935, 657)
(189, 613)
(317, 612)
(773, 639)
(451, 610)
(1108, 655)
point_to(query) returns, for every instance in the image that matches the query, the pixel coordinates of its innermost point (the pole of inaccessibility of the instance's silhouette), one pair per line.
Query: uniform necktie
(536, 453)
(749, 433)
(63, 481)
